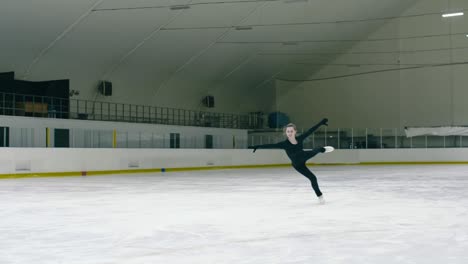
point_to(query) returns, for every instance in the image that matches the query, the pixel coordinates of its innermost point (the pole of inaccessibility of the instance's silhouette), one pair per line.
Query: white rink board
(43, 160)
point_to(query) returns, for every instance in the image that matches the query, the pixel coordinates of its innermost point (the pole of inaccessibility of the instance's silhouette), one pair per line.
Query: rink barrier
(162, 170)
(108, 172)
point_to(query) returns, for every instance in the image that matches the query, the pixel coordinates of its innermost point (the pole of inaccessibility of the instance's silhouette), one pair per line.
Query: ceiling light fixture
(295, 1)
(453, 14)
(290, 43)
(243, 28)
(179, 7)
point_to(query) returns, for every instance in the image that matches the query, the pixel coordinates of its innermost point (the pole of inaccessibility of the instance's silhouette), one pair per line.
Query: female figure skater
(294, 149)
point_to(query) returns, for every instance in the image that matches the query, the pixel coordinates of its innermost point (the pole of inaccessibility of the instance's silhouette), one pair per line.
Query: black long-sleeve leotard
(298, 156)
(294, 151)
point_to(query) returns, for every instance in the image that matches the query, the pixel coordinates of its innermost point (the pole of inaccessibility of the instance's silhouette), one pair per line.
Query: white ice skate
(328, 149)
(321, 200)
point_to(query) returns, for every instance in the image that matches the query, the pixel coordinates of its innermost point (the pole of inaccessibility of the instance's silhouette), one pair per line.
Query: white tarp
(436, 131)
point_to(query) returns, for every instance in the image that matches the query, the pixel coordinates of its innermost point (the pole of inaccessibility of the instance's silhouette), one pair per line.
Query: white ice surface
(373, 214)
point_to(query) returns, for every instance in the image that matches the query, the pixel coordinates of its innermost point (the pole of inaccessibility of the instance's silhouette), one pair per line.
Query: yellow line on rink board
(161, 170)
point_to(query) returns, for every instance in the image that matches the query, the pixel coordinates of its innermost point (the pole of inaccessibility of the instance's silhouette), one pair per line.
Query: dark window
(175, 140)
(4, 136)
(62, 138)
(209, 141)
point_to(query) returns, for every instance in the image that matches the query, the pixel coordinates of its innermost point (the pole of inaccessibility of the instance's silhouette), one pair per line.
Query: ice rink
(373, 214)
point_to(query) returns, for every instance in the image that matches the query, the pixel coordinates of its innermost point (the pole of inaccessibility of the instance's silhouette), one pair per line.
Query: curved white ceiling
(163, 44)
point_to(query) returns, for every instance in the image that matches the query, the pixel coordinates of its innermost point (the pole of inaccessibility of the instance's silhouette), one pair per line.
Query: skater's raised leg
(311, 153)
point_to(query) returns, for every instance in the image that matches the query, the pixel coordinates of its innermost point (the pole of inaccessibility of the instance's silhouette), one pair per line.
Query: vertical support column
(381, 138)
(339, 136)
(114, 138)
(367, 140)
(47, 137)
(139, 139)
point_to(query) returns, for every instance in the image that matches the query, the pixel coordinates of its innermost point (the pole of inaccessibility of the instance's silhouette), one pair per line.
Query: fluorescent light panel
(453, 14)
(179, 7)
(295, 1)
(243, 28)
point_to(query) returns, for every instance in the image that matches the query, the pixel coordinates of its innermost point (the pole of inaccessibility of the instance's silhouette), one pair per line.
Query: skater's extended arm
(267, 146)
(312, 129)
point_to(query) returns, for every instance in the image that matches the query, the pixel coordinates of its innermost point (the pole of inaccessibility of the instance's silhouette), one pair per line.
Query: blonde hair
(289, 125)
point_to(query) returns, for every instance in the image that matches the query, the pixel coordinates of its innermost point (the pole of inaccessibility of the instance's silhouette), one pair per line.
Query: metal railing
(36, 137)
(366, 138)
(54, 107)
(340, 138)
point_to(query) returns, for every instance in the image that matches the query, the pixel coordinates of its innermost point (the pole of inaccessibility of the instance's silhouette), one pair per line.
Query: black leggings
(300, 166)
